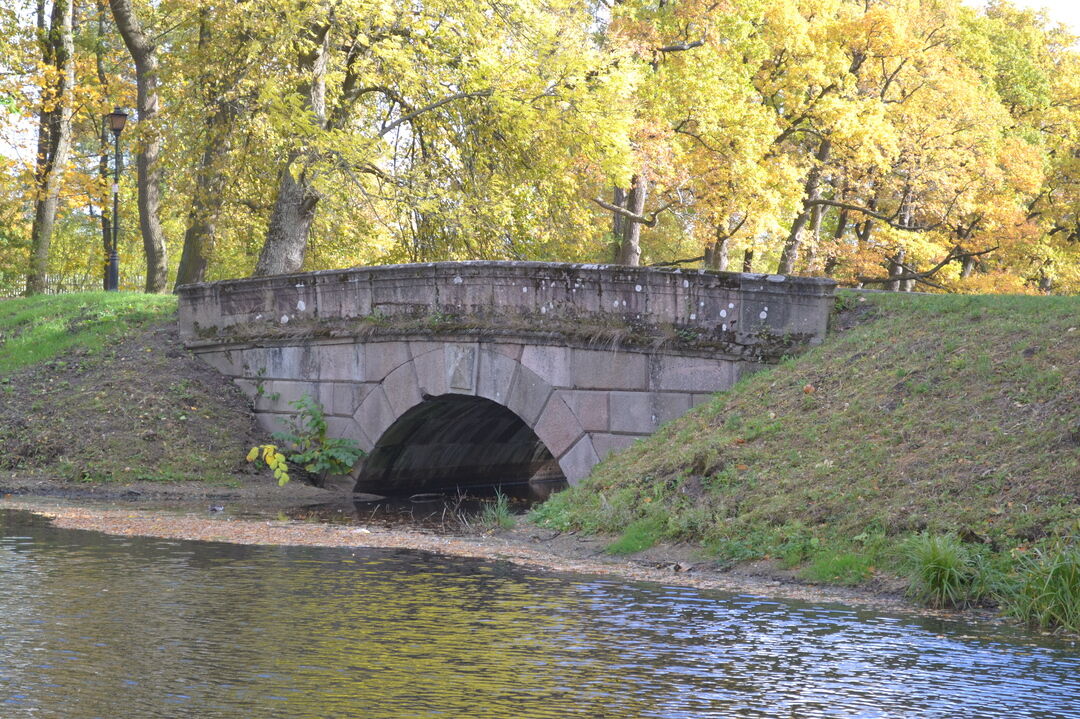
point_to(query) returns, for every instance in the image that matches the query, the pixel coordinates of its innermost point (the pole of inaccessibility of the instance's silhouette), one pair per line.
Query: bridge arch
(492, 392)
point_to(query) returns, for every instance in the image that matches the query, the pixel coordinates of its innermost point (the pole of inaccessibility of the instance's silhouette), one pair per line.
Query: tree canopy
(906, 144)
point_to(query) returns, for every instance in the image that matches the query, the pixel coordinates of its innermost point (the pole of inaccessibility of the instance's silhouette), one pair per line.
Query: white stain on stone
(723, 328)
(637, 288)
(615, 303)
(458, 280)
(284, 319)
(693, 316)
(723, 313)
(731, 305)
(300, 306)
(686, 283)
(524, 289)
(764, 313)
(543, 309)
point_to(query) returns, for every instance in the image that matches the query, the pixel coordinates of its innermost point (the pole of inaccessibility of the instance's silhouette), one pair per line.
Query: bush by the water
(1047, 594)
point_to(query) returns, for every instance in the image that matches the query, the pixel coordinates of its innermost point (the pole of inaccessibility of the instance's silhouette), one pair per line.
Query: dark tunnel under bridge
(456, 442)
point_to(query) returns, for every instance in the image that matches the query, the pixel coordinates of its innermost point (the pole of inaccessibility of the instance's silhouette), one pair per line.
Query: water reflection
(96, 626)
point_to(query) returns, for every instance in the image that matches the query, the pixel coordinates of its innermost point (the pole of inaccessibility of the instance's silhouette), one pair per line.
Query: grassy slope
(35, 329)
(95, 387)
(950, 414)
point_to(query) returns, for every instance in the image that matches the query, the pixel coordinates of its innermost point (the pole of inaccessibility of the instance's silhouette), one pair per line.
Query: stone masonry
(589, 357)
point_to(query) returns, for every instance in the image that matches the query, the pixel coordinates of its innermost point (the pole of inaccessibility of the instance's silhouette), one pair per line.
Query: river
(93, 625)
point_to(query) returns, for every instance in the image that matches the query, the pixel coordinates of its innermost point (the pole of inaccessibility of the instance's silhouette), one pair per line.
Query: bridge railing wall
(746, 305)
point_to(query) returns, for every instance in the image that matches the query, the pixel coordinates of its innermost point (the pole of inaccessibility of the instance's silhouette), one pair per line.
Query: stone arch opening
(455, 442)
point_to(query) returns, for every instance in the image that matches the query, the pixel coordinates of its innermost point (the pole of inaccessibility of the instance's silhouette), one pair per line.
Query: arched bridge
(492, 372)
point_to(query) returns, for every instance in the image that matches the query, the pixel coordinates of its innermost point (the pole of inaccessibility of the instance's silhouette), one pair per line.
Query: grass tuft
(497, 514)
(1047, 594)
(942, 570)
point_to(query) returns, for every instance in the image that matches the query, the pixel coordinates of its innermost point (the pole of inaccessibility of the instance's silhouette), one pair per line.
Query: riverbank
(935, 438)
(524, 545)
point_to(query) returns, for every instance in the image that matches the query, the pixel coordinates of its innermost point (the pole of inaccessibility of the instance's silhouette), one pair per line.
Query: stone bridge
(459, 373)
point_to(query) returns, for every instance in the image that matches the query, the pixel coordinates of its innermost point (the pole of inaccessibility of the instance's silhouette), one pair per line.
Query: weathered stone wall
(513, 341)
(744, 305)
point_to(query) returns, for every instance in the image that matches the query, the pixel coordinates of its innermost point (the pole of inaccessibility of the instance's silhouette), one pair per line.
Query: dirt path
(525, 545)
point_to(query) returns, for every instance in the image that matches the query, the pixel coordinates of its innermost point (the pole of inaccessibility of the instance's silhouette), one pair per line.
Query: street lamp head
(117, 119)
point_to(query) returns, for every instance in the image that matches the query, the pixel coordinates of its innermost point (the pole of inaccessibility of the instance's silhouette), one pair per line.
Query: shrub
(1047, 594)
(308, 446)
(942, 570)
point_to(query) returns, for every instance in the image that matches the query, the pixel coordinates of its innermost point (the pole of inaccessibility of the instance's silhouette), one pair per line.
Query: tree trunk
(54, 139)
(895, 270)
(104, 146)
(629, 251)
(838, 234)
(290, 222)
(148, 168)
(909, 284)
(207, 199)
(748, 260)
(208, 196)
(817, 214)
(813, 192)
(294, 207)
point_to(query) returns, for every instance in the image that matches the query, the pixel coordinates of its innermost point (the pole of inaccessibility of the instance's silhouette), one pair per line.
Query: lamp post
(116, 120)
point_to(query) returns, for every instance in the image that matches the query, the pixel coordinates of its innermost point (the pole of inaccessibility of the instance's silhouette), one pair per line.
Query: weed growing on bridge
(308, 445)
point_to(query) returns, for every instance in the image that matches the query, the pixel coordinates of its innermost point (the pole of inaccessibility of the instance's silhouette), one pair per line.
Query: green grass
(40, 328)
(497, 514)
(950, 415)
(1047, 594)
(638, 537)
(848, 568)
(943, 570)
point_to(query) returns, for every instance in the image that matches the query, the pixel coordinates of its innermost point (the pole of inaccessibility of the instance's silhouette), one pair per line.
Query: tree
(144, 54)
(54, 132)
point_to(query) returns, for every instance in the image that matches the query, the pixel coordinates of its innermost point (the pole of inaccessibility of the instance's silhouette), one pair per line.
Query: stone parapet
(738, 308)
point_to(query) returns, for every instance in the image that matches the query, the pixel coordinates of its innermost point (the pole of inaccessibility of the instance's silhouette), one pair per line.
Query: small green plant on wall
(307, 445)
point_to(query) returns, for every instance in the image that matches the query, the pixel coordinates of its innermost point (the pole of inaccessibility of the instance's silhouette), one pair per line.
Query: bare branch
(681, 47)
(427, 108)
(910, 273)
(633, 216)
(676, 263)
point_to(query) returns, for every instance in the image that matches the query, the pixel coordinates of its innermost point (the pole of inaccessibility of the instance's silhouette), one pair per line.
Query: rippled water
(97, 626)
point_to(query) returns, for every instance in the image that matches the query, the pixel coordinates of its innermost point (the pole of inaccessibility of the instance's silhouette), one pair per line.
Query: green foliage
(308, 445)
(497, 514)
(943, 570)
(1047, 592)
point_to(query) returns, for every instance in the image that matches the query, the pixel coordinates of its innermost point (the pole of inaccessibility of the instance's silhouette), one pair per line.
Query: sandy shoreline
(526, 546)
